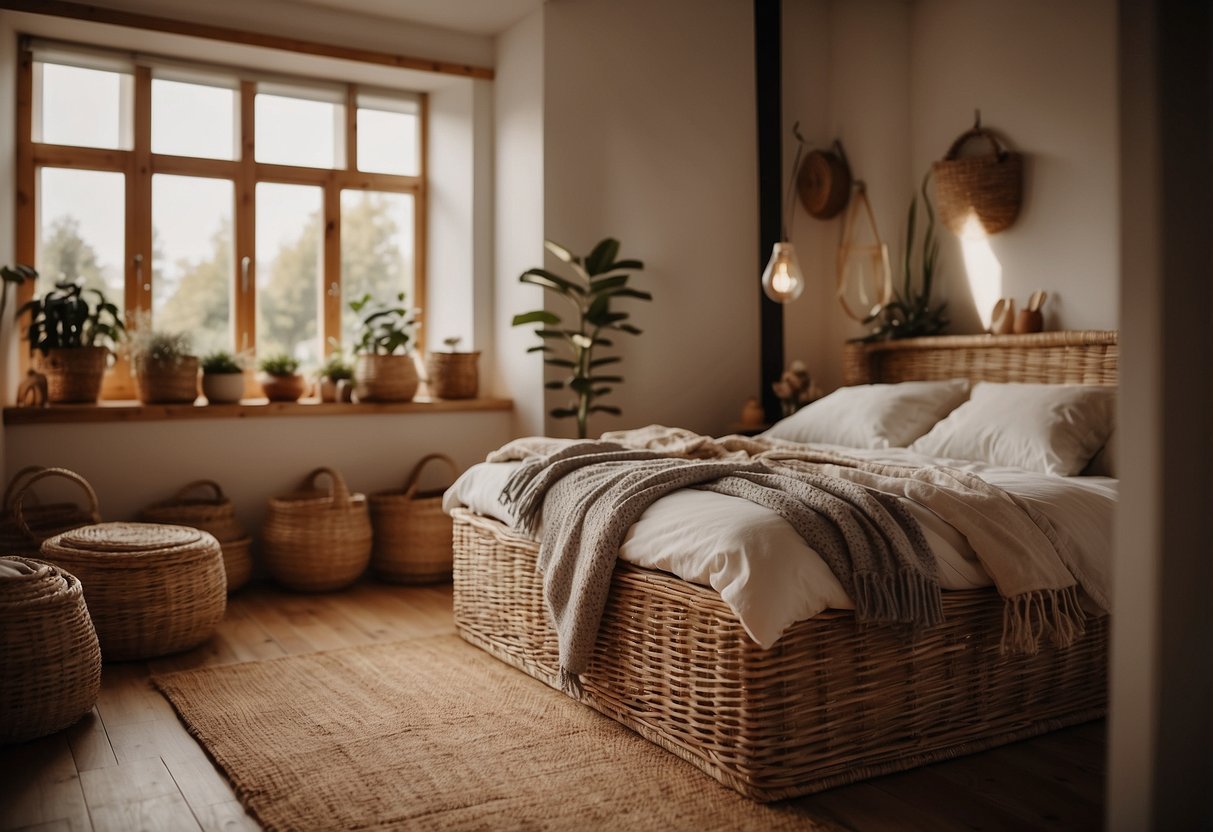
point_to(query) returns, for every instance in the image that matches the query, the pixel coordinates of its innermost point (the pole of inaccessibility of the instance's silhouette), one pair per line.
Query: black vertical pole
(767, 69)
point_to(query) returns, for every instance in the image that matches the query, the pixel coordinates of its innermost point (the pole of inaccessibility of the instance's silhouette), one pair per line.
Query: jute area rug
(436, 734)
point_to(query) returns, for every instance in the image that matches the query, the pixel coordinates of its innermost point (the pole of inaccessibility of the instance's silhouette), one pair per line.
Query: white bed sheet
(771, 578)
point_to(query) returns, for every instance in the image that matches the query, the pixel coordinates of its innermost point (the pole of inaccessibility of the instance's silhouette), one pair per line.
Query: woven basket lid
(130, 537)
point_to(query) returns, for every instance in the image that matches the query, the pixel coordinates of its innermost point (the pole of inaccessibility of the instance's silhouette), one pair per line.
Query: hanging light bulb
(782, 279)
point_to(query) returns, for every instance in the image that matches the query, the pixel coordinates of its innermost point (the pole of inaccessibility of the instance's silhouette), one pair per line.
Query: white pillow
(1049, 428)
(1103, 464)
(873, 415)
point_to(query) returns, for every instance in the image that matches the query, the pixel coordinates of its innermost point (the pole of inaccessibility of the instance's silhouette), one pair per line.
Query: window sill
(132, 411)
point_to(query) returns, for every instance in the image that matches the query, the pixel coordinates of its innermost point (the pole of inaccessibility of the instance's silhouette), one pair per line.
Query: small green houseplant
(165, 371)
(600, 279)
(335, 369)
(222, 378)
(910, 313)
(72, 332)
(453, 374)
(384, 370)
(280, 378)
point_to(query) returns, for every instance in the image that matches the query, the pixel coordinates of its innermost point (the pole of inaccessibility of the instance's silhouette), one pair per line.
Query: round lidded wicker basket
(987, 189)
(211, 513)
(314, 540)
(413, 535)
(41, 521)
(50, 662)
(151, 589)
(453, 375)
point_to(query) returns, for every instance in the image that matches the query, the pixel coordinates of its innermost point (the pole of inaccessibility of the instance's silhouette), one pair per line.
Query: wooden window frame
(139, 164)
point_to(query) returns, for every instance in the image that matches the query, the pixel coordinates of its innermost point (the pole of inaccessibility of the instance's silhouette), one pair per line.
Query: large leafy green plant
(387, 328)
(910, 313)
(599, 279)
(64, 318)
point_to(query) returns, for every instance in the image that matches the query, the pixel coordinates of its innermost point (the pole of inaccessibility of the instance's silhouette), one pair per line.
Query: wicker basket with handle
(987, 189)
(211, 511)
(315, 540)
(413, 535)
(50, 674)
(151, 589)
(41, 521)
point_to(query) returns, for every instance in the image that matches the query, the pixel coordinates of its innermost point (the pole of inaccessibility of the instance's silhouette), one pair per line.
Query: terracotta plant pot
(73, 375)
(385, 378)
(167, 382)
(223, 388)
(282, 388)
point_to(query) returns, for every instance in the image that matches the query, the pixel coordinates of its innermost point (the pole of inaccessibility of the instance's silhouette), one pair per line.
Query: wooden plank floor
(130, 765)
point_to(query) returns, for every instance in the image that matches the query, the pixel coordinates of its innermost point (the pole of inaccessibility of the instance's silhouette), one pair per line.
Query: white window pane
(290, 233)
(81, 229)
(377, 253)
(192, 259)
(84, 107)
(387, 142)
(298, 131)
(193, 119)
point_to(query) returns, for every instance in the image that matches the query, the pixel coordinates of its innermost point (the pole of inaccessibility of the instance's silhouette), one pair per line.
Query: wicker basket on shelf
(412, 533)
(315, 540)
(151, 589)
(41, 521)
(453, 375)
(50, 664)
(211, 512)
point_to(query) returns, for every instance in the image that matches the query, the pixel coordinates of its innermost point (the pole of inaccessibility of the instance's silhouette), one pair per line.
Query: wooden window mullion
(245, 287)
(420, 223)
(330, 290)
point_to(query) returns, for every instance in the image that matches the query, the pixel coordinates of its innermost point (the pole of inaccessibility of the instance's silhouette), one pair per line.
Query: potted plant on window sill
(165, 371)
(280, 378)
(222, 378)
(384, 370)
(71, 340)
(334, 371)
(453, 374)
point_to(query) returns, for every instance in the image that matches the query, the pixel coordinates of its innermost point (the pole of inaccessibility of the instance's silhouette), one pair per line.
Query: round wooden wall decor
(824, 182)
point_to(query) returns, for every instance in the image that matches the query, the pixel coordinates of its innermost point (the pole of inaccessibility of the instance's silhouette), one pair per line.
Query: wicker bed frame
(830, 703)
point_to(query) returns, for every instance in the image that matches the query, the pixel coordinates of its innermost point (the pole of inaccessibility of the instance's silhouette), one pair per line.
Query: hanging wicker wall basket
(986, 188)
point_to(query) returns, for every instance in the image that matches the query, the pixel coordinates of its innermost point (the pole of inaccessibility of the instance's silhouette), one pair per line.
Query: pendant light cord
(789, 218)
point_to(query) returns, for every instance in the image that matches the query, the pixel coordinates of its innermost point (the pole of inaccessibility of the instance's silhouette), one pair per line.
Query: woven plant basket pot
(203, 505)
(453, 375)
(987, 189)
(385, 378)
(151, 589)
(413, 535)
(50, 663)
(73, 375)
(165, 382)
(315, 540)
(38, 521)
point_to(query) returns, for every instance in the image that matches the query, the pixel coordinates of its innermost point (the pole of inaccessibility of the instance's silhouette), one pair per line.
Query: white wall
(650, 138)
(901, 83)
(519, 198)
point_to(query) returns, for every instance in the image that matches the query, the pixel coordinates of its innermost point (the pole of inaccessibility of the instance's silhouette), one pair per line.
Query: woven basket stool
(50, 664)
(315, 540)
(413, 535)
(151, 589)
(212, 513)
(40, 521)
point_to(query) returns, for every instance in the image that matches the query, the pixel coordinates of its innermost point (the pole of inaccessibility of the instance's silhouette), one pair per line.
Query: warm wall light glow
(981, 267)
(782, 279)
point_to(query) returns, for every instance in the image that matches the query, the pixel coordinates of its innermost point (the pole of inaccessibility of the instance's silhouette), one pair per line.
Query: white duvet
(771, 578)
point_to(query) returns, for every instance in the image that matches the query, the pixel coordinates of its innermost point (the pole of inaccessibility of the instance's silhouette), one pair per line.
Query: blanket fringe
(1027, 618)
(908, 597)
(569, 682)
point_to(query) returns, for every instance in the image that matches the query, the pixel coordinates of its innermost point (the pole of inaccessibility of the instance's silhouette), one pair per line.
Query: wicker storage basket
(385, 378)
(41, 521)
(151, 589)
(453, 375)
(211, 512)
(314, 540)
(412, 533)
(73, 375)
(989, 187)
(50, 664)
(163, 382)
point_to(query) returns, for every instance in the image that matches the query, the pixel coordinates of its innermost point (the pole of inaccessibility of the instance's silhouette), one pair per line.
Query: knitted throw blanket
(589, 494)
